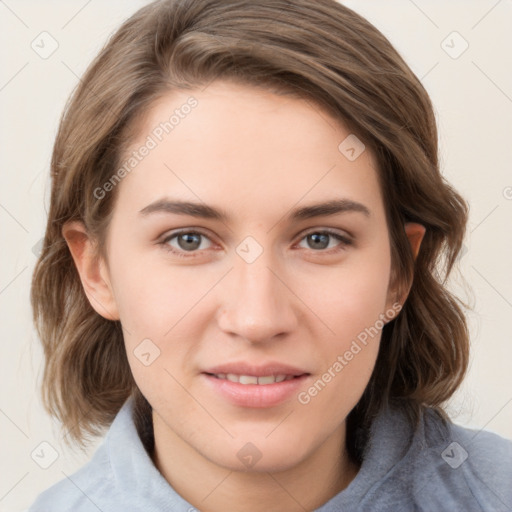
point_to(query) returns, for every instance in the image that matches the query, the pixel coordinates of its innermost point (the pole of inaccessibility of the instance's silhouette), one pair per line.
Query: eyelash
(345, 241)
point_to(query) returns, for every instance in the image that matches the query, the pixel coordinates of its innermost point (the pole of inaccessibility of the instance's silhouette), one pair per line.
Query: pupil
(192, 241)
(319, 238)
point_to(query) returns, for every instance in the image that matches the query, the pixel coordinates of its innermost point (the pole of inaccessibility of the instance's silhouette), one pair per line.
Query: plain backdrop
(462, 52)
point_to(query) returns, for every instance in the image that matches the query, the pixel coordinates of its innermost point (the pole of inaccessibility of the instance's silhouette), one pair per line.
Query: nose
(257, 302)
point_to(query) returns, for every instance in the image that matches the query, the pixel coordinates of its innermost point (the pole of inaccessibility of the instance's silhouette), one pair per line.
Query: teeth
(251, 379)
(269, 379)
(248, 379)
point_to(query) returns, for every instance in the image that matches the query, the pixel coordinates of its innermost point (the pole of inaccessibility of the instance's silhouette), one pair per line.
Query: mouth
(253, 379)
(248, 385)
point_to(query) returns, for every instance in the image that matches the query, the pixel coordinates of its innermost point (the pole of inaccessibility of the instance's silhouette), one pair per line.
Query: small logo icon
(146, 352)
(454, 455)
(454, 45)
(37, 248)
(249, 455)
(351, 147)
(463, 251)
(44, 455)
(249, 249)
(45, 45)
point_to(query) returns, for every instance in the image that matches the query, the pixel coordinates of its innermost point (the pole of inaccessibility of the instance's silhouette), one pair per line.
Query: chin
(258, 454)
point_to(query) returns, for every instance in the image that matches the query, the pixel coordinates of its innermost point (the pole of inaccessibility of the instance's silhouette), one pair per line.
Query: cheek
(160, 307)
(352, 296)
(153, 297)
(352, 305)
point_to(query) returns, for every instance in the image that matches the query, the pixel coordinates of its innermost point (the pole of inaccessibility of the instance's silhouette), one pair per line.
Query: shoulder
(120, 476)
(82, 491)
(479, 450)
(459, 465)
(95, 486)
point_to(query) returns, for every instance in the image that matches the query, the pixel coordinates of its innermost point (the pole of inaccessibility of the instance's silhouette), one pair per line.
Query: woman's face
(228, 274)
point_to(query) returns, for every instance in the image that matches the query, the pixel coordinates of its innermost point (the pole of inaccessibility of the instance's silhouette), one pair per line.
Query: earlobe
(415, 233)
(91, 268)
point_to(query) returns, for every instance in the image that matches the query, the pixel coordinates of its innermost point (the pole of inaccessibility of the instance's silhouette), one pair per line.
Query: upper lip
(244, 368)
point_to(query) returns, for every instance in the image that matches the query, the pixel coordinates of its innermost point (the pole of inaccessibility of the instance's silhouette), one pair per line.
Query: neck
(210, 487)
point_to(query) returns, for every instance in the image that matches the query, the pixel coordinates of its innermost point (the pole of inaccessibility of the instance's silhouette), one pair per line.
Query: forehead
(245, 147)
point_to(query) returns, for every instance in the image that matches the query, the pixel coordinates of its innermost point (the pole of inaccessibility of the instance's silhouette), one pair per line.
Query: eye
(323, 240)
(192, 242)
(185, 241)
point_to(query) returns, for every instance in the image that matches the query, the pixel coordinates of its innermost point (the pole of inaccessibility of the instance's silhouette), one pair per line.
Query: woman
(243, 273)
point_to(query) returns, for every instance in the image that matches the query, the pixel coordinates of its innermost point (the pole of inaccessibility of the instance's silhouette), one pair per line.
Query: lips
(246, 373)
(249, 385)
(253, 379)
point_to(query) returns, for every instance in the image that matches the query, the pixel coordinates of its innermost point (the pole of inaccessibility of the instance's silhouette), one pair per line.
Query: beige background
(473, 98)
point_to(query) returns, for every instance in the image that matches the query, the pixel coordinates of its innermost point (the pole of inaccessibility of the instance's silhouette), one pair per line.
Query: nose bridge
(258, 306)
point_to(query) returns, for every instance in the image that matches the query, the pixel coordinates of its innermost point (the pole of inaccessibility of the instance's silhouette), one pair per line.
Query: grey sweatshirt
(432, 469)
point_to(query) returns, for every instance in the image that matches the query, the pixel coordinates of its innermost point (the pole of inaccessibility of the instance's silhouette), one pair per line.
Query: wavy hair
(320, 51)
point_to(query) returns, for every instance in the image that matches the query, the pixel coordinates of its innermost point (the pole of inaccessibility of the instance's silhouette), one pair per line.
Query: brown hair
(321, 51)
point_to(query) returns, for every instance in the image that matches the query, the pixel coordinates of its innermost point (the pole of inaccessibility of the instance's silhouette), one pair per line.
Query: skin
(257, 156)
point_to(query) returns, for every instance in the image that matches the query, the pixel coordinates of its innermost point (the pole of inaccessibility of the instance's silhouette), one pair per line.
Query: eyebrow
(200, 210)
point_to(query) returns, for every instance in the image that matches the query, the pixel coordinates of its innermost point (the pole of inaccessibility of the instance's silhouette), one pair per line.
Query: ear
(415, 233)
(92, 269)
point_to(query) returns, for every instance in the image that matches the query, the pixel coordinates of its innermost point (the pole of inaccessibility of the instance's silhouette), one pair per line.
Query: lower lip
(255, 395)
